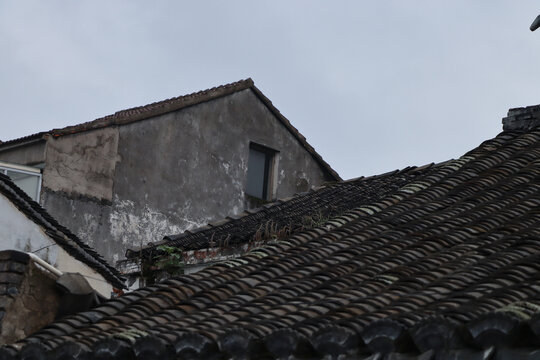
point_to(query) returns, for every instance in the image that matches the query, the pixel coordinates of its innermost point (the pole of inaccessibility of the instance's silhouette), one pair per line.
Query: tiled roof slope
(446, 267)
(162, 107)
(60, 234)
(289, 215)
(25, 139)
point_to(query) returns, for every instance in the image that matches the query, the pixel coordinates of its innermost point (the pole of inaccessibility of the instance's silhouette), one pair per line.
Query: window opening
(259, 171)
(25, 177)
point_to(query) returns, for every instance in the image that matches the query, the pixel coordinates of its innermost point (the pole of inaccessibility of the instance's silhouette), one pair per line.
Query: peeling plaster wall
(181, 170)
(82, 164)
(123, 187)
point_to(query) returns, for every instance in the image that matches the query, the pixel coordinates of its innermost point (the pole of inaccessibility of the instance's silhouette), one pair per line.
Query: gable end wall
(123, 187)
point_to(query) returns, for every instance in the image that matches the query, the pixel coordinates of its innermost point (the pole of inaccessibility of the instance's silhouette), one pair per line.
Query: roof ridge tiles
(522, 119)
(176, 103)
(173, 103)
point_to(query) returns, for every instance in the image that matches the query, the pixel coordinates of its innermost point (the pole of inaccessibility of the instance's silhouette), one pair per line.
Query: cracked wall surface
(82, 164)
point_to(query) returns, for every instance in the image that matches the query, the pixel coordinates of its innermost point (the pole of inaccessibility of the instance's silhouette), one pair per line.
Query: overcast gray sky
(373, 85)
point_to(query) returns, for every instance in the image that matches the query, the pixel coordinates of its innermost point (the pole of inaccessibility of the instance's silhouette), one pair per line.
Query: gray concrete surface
(82, 164)
(30, 154)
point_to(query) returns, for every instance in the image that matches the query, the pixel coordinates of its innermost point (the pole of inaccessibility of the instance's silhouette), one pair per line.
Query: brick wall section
(13, 265)
(522, 119)
(28, 298)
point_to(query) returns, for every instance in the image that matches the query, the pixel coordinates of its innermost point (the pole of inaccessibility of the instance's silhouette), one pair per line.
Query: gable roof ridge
(301, 138)
(188, 99)
(157, 108)
(28, 138)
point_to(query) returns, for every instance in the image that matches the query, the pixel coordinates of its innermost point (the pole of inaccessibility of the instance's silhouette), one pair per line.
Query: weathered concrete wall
(183, 169)
(170, 173)
(20, 233)
(29, 154)
(82, 164)
(86, 217)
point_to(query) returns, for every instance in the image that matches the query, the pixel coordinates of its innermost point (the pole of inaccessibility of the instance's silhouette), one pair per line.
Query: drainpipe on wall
(45, 264)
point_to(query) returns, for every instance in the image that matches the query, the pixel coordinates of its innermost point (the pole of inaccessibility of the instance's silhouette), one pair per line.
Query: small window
(25, 177)
(259, 171)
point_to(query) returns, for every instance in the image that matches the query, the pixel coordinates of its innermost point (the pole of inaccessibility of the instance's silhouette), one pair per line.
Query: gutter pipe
(45, 264)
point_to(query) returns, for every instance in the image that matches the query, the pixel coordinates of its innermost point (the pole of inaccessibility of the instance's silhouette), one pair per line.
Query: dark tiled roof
(60, 234)
(24, 139)
(287, 216)
(162, 107)
(445, 267)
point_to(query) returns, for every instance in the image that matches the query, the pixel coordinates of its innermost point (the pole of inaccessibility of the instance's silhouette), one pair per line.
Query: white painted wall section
(18, 232)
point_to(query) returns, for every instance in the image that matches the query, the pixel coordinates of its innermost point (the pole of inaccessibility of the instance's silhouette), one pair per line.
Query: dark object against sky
(536, 23)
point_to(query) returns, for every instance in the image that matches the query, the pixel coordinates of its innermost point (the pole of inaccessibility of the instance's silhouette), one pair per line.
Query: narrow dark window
(259, 168)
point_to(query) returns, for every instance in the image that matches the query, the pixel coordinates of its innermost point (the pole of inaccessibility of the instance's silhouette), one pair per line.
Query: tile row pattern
(60, 234)
(446, 267)
(13, 264)
(288, 216)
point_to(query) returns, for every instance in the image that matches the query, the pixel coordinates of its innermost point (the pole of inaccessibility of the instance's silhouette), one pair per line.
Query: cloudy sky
(373, 85)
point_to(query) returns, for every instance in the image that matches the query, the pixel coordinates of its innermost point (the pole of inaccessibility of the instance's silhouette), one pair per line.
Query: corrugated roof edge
(165, 106)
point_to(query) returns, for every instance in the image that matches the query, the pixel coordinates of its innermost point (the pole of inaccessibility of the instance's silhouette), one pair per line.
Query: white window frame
(4, 167)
